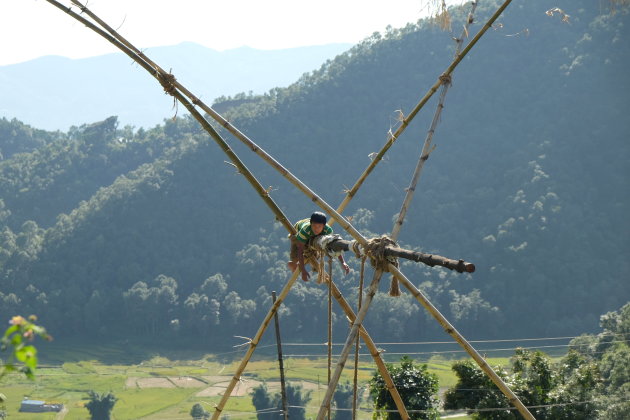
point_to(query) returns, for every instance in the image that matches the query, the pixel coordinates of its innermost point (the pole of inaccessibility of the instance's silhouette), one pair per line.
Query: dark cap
(318, 217)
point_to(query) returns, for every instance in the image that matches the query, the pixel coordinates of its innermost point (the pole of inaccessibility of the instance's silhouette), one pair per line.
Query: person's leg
(292, 265)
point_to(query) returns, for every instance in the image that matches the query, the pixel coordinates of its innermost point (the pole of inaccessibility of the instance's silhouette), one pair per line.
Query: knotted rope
(167, 80)
(375, 250)
(315, 257)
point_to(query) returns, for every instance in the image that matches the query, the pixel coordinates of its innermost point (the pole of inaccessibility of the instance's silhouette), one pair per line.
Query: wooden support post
(283, 391)
(349, 342)
(450, 329)
(330, 338)
(252, 346)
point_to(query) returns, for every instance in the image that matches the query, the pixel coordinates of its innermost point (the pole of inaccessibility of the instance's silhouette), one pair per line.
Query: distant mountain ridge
(55, 92)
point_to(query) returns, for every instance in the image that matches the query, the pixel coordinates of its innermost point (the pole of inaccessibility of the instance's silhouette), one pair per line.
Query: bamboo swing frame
(190, 101)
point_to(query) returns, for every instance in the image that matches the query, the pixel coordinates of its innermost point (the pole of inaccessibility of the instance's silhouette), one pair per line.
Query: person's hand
(305, 275)
(346, 268)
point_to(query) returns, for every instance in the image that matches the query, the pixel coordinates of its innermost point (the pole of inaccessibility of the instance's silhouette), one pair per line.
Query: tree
(611, 352)
(100, 406)
(417, 387)
(343, 401)
(268, 406)
(561, 389)
(296, 400)
(197, 412)
(262, 401)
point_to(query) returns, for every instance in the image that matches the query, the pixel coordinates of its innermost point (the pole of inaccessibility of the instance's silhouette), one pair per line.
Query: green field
(161, 388)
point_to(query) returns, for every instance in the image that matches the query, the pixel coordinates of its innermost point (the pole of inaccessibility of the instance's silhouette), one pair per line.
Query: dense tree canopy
(103, 226)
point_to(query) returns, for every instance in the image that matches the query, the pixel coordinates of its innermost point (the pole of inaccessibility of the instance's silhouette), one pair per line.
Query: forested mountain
(61, 87)
(151, 230)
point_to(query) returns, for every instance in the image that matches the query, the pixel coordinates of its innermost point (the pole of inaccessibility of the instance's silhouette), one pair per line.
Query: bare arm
(343, 264)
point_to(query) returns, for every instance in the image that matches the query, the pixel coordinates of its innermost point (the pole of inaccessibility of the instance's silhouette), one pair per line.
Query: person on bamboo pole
(307, 229)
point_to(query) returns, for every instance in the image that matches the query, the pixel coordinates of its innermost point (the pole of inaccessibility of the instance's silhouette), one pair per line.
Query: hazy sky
(33, 28)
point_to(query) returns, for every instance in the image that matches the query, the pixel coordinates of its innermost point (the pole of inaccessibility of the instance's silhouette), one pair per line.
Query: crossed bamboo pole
(405, 121)
(426, 148)
(164, 78)
(171, 86)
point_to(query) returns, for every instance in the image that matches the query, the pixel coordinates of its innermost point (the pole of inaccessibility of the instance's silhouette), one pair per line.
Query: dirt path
(60, 415)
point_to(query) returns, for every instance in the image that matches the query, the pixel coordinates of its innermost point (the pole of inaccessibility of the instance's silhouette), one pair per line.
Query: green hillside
(150, 233)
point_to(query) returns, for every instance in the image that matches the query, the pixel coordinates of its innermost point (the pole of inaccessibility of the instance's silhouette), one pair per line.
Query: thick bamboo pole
(450, 329)
(376, 354)
(405, 121)
(330, 338)
(252, 346)
(334, 380)
(355, 378)
(166, 80)
(426, 148)
(130, 50)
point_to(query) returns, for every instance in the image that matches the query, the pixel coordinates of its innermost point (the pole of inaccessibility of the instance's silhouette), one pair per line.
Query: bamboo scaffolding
(426, 148)
(450, 329)
(405, 121)
(173, 88)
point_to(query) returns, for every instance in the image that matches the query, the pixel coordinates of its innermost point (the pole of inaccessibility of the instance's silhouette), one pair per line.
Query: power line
(436, 352)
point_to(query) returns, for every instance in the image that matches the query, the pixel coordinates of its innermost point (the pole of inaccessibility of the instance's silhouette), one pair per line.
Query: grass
(68, 383)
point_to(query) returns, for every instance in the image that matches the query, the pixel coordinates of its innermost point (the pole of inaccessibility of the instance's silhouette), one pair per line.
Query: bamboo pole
(165, 79)
(283, 392)
(356, 347)
(354, 331)
(330, 338)
(153, 68)
(376, 354)
(405, 121)
(426, 148)
(252, 346)
(450, 329)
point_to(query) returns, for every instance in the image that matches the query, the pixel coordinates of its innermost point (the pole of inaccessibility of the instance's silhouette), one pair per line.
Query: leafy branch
(17, 339)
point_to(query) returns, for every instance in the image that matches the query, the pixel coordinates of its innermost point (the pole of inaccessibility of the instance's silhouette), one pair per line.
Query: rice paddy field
(166, 388)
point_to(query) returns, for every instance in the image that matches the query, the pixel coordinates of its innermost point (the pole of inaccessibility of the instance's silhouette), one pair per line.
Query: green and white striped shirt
(305, 232)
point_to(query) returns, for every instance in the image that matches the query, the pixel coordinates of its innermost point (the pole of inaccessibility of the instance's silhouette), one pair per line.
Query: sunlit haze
(34, 28)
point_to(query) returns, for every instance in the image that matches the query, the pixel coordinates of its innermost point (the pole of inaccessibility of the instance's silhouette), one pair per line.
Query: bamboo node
(446, 79)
